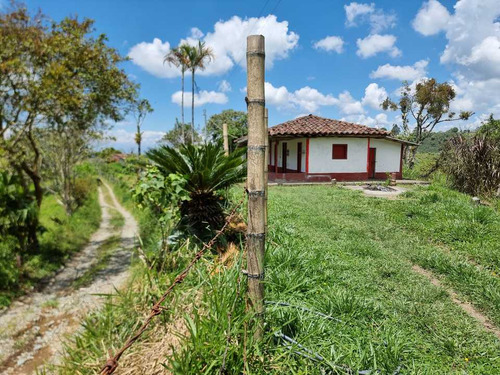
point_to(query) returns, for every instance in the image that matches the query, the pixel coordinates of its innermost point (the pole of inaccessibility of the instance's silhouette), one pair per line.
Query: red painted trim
(368, 156)
(276, 156)
(307, 155)
(401, 160)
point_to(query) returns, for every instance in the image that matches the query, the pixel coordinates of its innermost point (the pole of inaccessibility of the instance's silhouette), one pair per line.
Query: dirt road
(33, 328)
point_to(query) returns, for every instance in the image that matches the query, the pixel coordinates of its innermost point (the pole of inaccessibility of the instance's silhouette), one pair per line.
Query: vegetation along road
(32, 330)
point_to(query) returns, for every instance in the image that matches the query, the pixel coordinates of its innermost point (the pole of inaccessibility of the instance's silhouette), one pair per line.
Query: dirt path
(33, 328)
(467, 307)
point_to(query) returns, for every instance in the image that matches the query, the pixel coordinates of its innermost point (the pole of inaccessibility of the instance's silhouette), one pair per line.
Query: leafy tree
(178, 57)
(207, 171)
(197, 57)
(428, 104)
(396, 130)
(236, 126)
(141, 109)
(490, 128)
(180, 135)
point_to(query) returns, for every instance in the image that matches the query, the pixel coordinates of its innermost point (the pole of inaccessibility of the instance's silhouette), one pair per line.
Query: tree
(428, 104)
(207, 171)
(141, 109)
(396, 130)
(236, 123)
(197, 57)
(490, 128)
(178, 57)
(180, 135)
(56, 79)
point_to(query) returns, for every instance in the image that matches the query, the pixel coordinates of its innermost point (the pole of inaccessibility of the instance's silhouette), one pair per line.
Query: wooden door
(372, 153)
(299, 157)
(283, 157)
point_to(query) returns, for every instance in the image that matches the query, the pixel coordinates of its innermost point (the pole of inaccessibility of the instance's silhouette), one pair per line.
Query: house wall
(388, 155)
(292, 154)
(320, 155)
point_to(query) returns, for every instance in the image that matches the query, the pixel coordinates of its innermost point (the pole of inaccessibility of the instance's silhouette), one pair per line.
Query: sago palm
(208, 172)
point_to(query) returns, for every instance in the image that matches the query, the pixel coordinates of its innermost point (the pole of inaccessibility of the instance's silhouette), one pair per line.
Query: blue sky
(331, 58)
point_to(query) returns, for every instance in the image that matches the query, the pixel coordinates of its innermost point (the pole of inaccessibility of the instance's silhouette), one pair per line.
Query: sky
(336, 59)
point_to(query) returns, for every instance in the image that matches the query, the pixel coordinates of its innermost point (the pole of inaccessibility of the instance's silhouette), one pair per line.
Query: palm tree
(208, 171)
(197, 57)
(178, 57)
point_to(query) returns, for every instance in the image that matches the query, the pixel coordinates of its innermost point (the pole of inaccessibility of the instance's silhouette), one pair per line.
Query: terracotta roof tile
(319, 126)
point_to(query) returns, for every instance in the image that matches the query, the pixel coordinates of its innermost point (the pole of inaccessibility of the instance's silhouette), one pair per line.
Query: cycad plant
(208, 173)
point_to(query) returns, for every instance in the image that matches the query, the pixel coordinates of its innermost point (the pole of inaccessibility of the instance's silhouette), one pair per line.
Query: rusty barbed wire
(112, 362)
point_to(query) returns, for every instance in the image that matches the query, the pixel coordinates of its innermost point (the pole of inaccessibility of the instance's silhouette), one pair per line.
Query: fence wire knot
(110, 366)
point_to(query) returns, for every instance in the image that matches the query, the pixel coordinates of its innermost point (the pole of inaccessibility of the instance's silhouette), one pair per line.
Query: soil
(467, 307)
(33, 329)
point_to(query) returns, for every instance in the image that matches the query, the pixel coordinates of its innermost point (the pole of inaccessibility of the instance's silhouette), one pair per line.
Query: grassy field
(349, 256)
(336, 252)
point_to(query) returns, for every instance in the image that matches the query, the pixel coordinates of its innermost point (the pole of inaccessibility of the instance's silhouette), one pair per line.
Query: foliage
(490, 128)
(428, 104)
(435, 142)
(396, 130)
(141, 109)
(424, 167)
(181, 134)
(206, 170)
(163, 195)
(236, 125)
(472, 164)
(178, 57)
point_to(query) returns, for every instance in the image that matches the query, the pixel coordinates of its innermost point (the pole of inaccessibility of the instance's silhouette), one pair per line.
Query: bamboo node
(256, 193)
(256, 235)
(256, 101)
(256, 53)
(257, 148)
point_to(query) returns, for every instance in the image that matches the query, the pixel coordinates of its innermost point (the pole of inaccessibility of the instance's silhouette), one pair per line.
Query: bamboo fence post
(266, 164)
(226, 139)
(256, 237)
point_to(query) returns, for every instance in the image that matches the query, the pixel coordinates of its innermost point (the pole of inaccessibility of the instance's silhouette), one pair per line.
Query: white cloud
(472, 50)
(310, 100)
(375, 43)
(348, 105)
(367, 13)
(402, 73)
(432, 18)
(228, 42)
(374, 95)
(201, 98)
(380, 120)
(149, 56)
(330, 43)
(224, 86)
(124, 140)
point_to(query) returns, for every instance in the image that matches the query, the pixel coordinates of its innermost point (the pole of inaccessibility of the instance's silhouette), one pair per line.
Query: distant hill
(436, 140)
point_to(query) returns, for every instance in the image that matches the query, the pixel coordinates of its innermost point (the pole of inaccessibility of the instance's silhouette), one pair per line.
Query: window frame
(345, 151)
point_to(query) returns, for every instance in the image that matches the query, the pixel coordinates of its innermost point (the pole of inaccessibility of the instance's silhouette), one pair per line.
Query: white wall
(320, 155)
(291, 145)
(388, 155)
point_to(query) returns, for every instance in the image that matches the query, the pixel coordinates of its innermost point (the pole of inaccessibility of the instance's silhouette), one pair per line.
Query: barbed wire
(112, 362)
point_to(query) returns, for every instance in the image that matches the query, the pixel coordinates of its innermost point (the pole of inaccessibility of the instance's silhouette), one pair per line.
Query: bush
(82, 188)
(472, 164)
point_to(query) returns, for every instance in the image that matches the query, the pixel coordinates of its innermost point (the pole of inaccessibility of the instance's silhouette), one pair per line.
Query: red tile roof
(319, 126)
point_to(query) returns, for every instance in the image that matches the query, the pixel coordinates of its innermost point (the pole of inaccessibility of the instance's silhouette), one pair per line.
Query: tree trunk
(182, 107)
(192, 107)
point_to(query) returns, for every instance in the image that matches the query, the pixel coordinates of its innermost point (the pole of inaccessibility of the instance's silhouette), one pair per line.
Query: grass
(334, 252)
(61, 237)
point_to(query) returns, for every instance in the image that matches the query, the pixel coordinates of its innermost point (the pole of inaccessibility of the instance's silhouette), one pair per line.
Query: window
(339, 151)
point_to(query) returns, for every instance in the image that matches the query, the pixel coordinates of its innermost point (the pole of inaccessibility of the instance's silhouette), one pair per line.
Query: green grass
(336, 252)
(60, 238)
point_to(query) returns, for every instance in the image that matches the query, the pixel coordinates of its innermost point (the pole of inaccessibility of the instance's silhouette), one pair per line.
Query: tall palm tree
(208, 171)
(179, 57)
(198, 56)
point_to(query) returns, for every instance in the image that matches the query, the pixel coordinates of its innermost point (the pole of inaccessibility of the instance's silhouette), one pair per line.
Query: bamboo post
(266, 164)
(256, 237)
(226, 139)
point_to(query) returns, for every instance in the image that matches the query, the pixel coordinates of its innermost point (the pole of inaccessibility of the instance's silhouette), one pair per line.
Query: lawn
(349, 256)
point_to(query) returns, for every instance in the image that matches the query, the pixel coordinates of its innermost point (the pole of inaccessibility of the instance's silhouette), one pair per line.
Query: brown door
(283, 157)
(299, 157)
(372, 152)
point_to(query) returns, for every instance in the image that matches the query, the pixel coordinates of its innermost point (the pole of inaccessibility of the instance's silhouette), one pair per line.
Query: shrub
(472, 164)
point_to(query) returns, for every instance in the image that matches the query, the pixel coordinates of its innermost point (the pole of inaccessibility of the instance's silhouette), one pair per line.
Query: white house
(312, 148)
